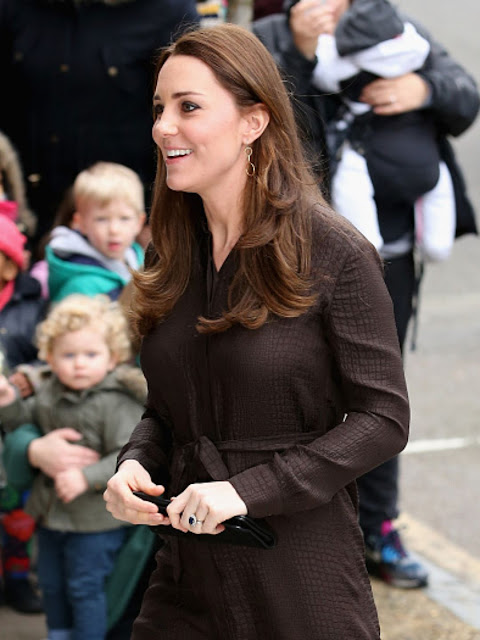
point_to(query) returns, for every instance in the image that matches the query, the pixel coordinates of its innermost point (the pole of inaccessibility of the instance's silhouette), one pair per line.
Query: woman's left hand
(208, 505)
(390, 96)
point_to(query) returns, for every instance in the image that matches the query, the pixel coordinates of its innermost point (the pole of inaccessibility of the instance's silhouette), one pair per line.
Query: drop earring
(250, 169)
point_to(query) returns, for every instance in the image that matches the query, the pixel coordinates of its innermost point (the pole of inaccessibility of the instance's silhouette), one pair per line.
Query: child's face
(8, 270)
(111, 228)
(81, 359)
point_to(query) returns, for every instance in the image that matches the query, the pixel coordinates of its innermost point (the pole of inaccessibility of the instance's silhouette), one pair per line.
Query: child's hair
(107, 181)
(77, 312)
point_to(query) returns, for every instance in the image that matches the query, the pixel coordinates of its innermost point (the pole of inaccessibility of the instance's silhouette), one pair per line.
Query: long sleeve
(150, 444)
(17, 413)
(455, 99)
(309, 105)
(119, 422)
(360, 329)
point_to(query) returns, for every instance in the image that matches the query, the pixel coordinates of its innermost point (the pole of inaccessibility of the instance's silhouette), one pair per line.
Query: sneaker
(387, 559)
(20, 595)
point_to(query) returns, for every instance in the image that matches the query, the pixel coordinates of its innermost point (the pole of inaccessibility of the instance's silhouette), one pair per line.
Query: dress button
(112, 71)
(34, 178)
(18, 56)
(64, 68)
(54, 139)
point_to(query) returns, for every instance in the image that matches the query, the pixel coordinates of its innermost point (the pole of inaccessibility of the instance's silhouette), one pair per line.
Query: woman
(274, 372)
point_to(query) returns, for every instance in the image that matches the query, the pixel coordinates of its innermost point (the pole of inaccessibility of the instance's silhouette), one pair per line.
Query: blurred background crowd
(77, 164)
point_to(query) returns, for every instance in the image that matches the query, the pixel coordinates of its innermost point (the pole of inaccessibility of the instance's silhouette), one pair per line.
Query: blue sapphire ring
(192, 520)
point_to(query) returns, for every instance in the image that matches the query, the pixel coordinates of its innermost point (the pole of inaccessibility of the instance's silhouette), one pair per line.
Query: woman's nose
(165, 126)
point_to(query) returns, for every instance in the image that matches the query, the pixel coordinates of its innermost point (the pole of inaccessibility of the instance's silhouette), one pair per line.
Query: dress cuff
(259, 489)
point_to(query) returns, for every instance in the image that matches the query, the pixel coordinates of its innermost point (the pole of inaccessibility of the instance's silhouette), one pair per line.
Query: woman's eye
(157, 110)
(189, 106)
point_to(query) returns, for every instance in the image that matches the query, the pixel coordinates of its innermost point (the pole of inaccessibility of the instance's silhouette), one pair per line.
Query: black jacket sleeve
(455, 100)
(309, 104)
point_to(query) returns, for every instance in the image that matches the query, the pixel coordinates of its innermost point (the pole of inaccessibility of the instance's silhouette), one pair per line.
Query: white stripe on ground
(441, 444)
(454, 574)
(448, 590)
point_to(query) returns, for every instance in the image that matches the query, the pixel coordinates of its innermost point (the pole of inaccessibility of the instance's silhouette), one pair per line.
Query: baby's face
(111, 228)
(81, 359)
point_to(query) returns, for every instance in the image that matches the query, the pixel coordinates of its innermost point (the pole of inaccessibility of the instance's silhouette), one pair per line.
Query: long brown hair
(274, 250)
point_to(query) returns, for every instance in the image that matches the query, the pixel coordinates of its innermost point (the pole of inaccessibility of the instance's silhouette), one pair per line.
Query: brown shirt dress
(291, 414)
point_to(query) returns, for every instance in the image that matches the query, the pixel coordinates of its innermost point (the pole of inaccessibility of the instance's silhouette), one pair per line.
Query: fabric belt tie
(201, 460)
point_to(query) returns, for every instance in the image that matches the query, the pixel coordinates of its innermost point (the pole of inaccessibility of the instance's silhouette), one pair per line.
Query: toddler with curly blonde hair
(84, 340)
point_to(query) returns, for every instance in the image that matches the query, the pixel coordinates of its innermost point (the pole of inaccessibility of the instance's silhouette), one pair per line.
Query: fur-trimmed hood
(13, 183)
(126, 377)
(133, 380)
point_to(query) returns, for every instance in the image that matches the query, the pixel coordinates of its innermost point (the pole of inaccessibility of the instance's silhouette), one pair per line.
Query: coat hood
(125, 378)
(66, 242)
(132, 380)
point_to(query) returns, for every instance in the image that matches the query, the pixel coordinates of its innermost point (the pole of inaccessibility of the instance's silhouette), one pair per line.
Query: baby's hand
(23, 384)
(7, 392)
(70, 484)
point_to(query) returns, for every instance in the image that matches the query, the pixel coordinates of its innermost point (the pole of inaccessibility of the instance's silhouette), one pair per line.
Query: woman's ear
(256, 120)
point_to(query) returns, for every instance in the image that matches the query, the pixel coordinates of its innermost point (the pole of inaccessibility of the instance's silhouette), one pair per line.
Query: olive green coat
(105, 415)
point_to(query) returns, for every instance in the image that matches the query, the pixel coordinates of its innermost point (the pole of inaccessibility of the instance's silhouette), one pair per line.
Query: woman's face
(199, 129)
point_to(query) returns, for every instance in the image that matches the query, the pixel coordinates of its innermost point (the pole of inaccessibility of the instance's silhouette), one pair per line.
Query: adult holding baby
(400, 136)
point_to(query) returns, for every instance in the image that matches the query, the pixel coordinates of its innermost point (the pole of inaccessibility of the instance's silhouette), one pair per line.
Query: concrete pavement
(424, 614)
(448, 609)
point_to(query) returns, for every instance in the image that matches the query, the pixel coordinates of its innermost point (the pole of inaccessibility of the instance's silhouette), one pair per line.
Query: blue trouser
(72, 568)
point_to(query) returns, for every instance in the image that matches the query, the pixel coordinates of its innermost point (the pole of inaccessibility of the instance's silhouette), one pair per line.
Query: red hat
(9, 208)
(12, 241)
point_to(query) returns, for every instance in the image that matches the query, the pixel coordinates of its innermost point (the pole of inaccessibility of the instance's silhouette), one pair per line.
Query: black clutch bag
(239, 530)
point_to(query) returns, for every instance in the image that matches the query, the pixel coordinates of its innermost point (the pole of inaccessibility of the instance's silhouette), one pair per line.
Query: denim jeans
(72, 568)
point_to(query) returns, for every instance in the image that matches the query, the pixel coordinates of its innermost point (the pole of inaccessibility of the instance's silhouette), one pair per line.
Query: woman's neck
(225, 223)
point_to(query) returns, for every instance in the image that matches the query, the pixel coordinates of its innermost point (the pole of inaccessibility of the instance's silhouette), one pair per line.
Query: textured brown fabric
(266, 409)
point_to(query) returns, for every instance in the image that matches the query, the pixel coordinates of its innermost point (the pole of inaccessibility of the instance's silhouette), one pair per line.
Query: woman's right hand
(121, 502)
